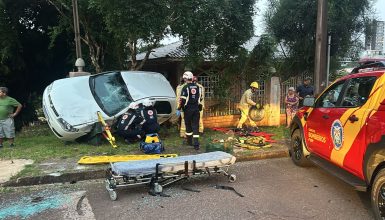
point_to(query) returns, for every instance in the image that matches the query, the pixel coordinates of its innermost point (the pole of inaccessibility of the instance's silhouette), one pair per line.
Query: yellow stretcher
(121, 158)
(107, 129)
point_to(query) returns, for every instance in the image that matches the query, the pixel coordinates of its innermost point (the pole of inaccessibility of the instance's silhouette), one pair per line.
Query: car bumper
(56, 127)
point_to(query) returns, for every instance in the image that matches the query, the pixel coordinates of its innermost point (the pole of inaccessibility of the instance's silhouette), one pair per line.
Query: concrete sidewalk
(68, 171)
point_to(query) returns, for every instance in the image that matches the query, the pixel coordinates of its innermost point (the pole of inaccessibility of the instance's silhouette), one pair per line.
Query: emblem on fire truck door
(337, 134)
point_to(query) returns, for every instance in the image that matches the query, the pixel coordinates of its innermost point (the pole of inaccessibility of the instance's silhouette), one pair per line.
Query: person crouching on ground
(291, 102)
(7, 125)
(129, 126)
(149, 114)
(245, 104)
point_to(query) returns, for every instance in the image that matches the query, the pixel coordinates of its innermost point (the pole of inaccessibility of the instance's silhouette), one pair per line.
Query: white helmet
(148, 102)
(188, 75)
(133, 105)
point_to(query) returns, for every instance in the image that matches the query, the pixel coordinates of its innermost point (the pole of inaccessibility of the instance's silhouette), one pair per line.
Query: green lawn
(39, 144)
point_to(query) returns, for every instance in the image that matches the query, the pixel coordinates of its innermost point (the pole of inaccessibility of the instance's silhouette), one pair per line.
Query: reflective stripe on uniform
(189, 134)
(132, 119)
(144, 120)
(200, 94)
(188, 95)
(195, 136)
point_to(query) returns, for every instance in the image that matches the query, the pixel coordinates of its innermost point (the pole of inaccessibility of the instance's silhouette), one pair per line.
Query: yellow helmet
(254, 85)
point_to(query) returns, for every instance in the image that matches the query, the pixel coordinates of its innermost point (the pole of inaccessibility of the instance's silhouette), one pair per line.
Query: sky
(380, 8)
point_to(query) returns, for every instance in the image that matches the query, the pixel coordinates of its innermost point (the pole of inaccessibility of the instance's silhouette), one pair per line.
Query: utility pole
(320, 50)
(76, 28)
(79, 63)
(328, 64)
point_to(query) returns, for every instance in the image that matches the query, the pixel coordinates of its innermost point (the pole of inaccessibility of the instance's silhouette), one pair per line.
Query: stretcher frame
(159, 179)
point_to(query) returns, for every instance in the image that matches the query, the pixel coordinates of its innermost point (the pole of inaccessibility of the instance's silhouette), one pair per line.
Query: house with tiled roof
(169, 60)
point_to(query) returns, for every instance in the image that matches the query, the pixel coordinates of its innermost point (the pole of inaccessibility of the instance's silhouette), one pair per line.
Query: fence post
(274, 110)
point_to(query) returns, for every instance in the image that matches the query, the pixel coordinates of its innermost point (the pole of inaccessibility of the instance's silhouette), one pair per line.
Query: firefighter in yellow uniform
(201, 126)
(245, 104)
(182, 127)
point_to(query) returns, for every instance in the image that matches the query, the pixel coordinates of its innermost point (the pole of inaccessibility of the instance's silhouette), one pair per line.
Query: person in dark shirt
(190, 102)
(149, 114)
(304, 90)
(129, 125)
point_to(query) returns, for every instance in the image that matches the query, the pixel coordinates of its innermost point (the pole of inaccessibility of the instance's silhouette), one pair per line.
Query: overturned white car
(70, 105)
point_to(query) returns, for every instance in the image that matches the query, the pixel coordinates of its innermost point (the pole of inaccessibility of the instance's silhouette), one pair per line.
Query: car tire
(296, 150)
(378, 195)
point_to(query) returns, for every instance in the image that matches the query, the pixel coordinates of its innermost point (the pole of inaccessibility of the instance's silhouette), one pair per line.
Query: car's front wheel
(378, 195)
(296, 150)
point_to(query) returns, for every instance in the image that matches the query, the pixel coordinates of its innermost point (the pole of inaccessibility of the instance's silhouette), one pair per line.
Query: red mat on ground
(266, 135)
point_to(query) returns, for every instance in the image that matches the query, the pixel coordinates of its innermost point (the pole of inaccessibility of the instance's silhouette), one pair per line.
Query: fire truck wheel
(378, 195)
(296, 150)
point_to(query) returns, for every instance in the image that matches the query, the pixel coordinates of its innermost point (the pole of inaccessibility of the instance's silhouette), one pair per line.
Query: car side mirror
(308, 101)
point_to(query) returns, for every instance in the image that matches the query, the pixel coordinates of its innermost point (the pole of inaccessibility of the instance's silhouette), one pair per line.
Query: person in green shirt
(7, 107)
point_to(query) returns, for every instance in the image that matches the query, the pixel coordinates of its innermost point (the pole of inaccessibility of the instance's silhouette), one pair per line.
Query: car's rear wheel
(296, 150)
(378, 195)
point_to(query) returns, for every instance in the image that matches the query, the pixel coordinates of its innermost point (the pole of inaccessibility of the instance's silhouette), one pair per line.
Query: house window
(209, 83)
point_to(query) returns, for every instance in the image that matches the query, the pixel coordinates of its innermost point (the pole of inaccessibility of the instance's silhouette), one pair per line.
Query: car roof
(363, 74)
(369, 66)
(126, 71)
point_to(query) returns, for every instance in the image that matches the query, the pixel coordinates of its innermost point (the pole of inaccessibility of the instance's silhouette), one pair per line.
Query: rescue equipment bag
(151, 144)
(151, 148)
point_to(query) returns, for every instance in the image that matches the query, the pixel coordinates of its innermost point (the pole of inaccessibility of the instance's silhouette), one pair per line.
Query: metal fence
(227, 106)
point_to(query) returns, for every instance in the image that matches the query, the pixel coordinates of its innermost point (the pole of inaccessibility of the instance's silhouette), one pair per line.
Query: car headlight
(66, 126)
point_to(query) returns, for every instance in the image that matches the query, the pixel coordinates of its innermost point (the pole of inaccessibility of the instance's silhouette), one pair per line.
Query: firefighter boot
(189, 140)
(196, 143)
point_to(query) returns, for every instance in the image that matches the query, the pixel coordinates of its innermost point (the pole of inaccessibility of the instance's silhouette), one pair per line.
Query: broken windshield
(110, 92)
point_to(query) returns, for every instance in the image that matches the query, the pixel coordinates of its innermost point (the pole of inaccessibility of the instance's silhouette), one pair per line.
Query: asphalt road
(272, 189)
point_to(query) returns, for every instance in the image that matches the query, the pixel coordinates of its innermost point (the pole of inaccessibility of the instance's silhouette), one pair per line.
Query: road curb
(63, 178)
(99, 174)
(263, 155)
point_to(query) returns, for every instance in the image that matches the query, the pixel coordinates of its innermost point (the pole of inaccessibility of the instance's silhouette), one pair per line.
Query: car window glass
(111, 93)
(330, 97)
(357, 91)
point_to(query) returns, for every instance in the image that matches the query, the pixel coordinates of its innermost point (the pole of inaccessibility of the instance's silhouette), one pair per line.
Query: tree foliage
(27, 62)
(97, 41)
(207, 27)
(293, 24)
(214, 27)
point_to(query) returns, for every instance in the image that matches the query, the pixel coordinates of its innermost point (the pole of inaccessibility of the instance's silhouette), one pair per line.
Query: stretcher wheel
(157, 188)
(232, 178)
(113, 195)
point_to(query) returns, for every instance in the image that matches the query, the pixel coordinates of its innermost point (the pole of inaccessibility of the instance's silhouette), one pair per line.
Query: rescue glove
(177, 113)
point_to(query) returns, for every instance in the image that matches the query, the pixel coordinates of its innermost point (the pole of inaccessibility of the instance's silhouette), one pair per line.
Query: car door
(346, 132)
(319, 121)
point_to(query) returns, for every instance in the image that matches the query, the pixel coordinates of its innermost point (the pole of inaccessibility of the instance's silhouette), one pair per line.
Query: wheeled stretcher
(158, 173)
